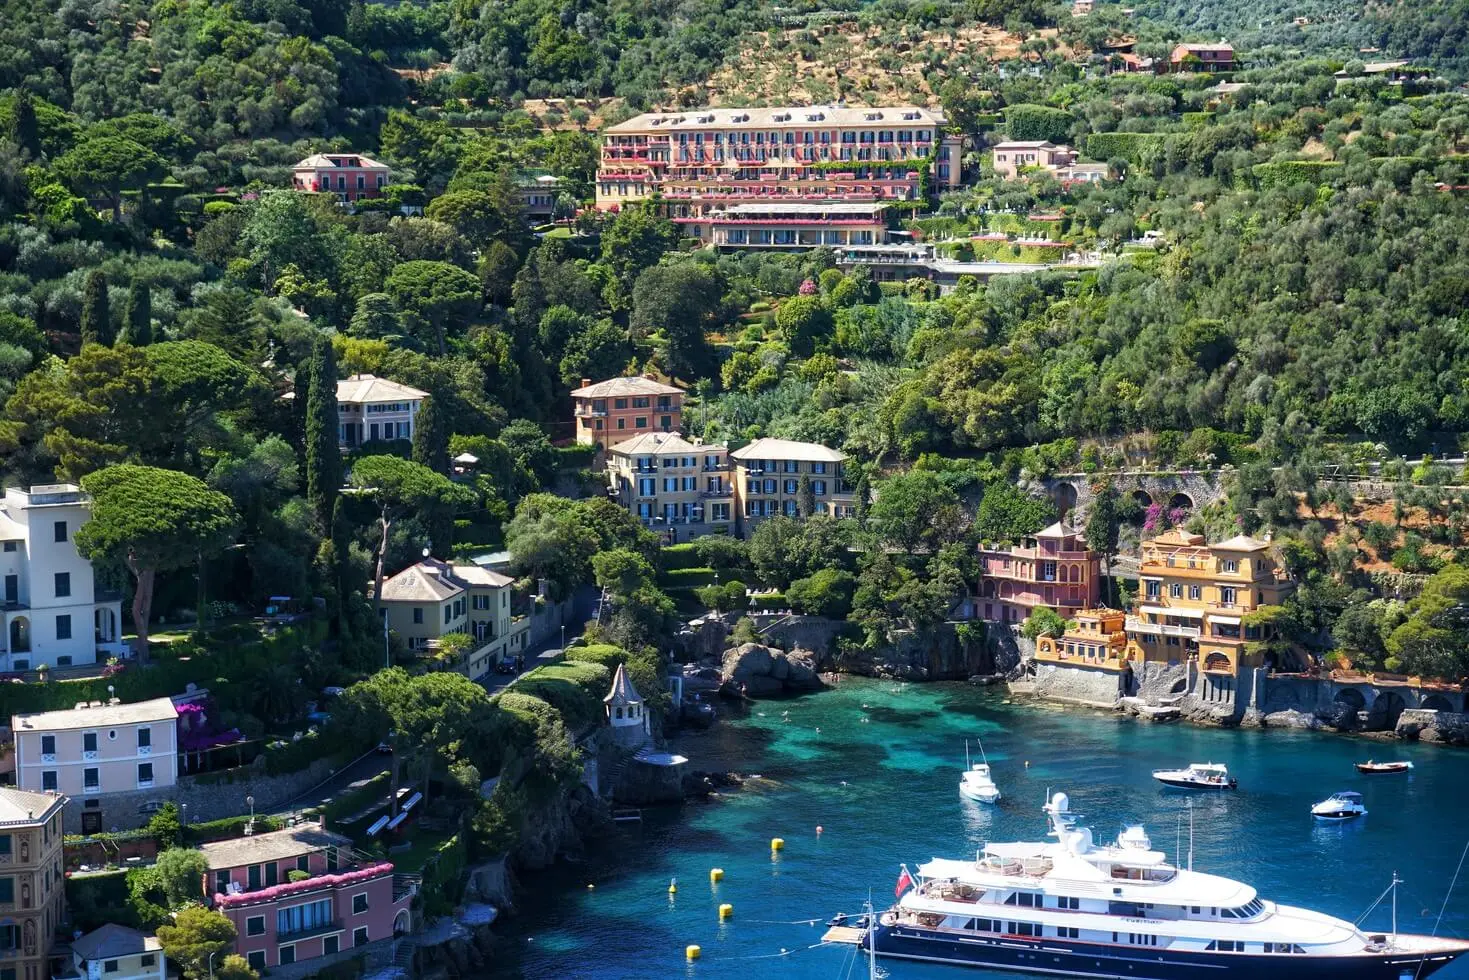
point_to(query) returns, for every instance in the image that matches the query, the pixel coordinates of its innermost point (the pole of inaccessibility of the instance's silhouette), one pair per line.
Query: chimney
(650, 376)
(586, 382)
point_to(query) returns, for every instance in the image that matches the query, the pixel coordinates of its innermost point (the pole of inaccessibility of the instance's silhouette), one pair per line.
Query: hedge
(1197, 120)
(677, 556)
(228, 828)
(573, 688)
(1132, 147)
(577, 457)
(1025, 121)
(686, 578)
(1289, 172)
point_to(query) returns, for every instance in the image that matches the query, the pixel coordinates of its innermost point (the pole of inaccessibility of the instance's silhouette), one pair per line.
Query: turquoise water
(876, 766)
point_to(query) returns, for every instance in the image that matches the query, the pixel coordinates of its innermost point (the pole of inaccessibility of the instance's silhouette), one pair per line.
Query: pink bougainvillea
(808, 287)
(1155, 519)
(1177, 516)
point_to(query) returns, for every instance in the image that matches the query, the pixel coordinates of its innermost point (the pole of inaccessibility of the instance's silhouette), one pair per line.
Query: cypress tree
(27, 131)
(137, 316)
(323, 458)
(805, 497)
(861, 493)
(96, 316)
(430, 437)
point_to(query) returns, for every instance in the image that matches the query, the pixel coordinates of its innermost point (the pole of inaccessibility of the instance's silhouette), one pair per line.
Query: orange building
(1194, 598)
(1052, 569)
(1097, 640)
(614, 411)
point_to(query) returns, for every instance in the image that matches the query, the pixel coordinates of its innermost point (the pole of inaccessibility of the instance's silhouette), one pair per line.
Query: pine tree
(323, 458)
(430, 437)
(96, 316)
(137, 316)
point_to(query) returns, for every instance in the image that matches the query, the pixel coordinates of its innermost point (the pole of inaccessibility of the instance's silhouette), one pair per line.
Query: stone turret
(626, 712)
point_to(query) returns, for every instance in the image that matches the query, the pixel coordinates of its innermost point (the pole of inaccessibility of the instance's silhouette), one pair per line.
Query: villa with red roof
(343, 902)
(350, 176)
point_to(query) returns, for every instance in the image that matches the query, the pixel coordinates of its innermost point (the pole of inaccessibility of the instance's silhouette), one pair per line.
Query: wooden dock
(844, 934)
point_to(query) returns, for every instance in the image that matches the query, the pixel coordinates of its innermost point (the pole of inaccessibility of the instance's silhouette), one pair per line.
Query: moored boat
(1198, 775)
(1344, 805)
(976, 783)
(1070, 907)
(1382, 768)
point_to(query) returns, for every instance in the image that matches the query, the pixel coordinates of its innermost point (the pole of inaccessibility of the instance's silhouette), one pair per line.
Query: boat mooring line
(769, 956)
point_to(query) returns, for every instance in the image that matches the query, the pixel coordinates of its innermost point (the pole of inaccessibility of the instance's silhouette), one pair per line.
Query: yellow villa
(1096, 640)
(1194, 598)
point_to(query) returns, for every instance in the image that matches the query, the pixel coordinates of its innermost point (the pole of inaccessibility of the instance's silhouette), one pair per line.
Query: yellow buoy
(726, 910)
(673, 886)
(716, 875)
(692, 951)
(776, 843)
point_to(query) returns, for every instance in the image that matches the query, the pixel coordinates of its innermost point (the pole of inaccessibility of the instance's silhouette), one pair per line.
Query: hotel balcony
(1136, 624)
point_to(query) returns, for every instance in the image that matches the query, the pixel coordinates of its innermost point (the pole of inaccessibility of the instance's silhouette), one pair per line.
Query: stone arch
(1386, 709)
(1143, 498)
(1352, 698)
(1064, 497)
(1437, 702)
(1180, 501)
(402, 923)
(1218, 662)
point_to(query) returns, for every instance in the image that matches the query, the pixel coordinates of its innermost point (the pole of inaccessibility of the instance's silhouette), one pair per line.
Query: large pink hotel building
(771, 176)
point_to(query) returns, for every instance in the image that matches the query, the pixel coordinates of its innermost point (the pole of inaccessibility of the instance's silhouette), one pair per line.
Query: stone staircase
(404, 952)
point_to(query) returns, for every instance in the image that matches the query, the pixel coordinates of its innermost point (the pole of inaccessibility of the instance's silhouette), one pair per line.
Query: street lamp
(212, 955)
(250, 802)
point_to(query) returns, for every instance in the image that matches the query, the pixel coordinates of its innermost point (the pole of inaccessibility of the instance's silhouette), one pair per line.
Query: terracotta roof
(363, 388)
(787, 449)
(278, 845)
(351, 160)
(776, 117)
(1026, 145)
(656, 444)
(158, 709)
(622, 690)
(637, 385)
(22, 806)
(420, 583)
(112, 941)
(1057, 530)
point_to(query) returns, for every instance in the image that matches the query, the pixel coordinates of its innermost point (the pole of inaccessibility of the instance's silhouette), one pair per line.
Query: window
(7, 891)
(641, 422)
(330, 945)
(109, 966)
(5, 844)
(448, 614)
(418, 616)
(1230, 566)
(1194, 592)
(48, 744)
(63, 627)
(288, 954)
(359, 936)
(145, 738)
(359, 903)
(60, 532)
(256, 959)
(1154, 589)
(222, 884)
(1226, 596)
(252, 877)
(1175, 590)
(90, 779)
(272, 874)
(149, 960)
(1068, 932)
(303, 918)
(63, 585)
(1068, 902)
(145, 773)
(255, 925)
(89, 741)
(10, 546)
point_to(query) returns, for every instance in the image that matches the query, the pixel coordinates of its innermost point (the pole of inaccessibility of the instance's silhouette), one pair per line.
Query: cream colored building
(51, 611)
(767, 480)
(672, 485)
(429, 600)
(96, 751)
(114, 952)
(32, 886)
(1014, 156)
(370, 408)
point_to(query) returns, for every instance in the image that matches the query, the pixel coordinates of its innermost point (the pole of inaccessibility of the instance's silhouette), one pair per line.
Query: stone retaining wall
(1079, 684)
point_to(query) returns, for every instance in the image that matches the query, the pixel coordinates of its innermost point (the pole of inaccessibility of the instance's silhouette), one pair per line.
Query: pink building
(614, 411)
(1013, 156)
(350, 176)
(1202, 57)
(344, 904)
(1052, 569)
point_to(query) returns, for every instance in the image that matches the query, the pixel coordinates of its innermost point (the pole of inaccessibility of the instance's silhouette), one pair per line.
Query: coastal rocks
(934, 655)
(701, 784)
(757, 671)
(1292, 718)
(699, 679)
(647, 783)
(1443, 727)
(560, 826)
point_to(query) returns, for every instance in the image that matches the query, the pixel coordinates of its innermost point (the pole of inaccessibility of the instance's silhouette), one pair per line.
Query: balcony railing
(1136, 624)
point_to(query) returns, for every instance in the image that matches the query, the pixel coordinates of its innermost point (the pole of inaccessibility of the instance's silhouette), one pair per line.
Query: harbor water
(876, 766)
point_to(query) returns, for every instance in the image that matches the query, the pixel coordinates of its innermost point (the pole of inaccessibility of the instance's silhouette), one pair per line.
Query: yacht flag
(905, 881)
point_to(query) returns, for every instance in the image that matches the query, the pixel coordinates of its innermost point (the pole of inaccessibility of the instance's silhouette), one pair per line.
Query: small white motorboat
(1199, 775)
(1340, 806)
(976, 783)
(1371, 768)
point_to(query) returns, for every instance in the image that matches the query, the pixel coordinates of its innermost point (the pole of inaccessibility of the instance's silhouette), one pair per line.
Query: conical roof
(1056, 530)
(622, 690)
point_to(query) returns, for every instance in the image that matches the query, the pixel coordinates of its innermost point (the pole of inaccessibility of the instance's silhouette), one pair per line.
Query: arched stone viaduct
(1189, 489)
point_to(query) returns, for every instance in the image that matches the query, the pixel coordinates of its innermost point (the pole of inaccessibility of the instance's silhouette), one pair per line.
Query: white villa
(371, 408)
(51, 611)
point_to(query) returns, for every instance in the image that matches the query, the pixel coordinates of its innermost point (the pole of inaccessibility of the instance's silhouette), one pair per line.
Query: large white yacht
(1072, 907)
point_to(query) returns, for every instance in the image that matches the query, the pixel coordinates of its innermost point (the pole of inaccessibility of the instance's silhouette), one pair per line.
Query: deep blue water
(884, 790)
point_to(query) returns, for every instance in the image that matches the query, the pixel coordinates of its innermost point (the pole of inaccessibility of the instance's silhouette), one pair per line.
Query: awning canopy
(1166, 611)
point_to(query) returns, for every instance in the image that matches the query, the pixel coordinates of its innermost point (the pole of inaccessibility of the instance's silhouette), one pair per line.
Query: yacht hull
(1072, 958)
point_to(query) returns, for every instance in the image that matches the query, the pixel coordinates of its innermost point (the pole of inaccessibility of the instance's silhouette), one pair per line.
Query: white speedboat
(1340, 806)
(977, 784)
(1072, 907)
(1199, 775)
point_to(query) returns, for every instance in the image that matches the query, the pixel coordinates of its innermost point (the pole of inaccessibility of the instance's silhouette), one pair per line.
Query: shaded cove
(876, 765)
